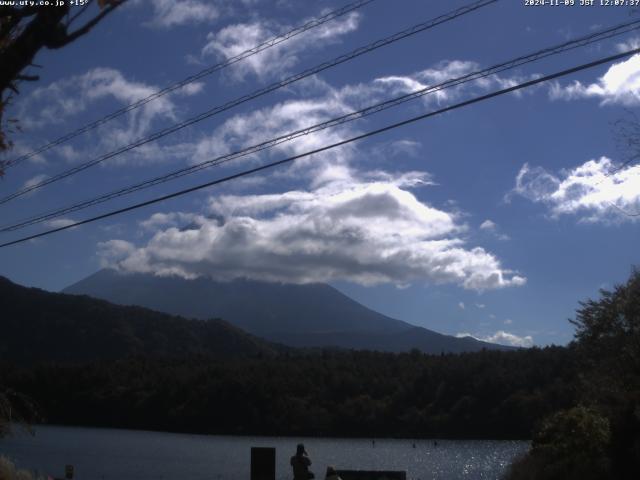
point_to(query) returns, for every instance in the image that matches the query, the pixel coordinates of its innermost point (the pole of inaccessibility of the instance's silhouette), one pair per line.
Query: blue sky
(493, 220)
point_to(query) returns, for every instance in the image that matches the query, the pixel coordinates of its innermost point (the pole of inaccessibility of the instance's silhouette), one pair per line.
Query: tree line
(489, 394)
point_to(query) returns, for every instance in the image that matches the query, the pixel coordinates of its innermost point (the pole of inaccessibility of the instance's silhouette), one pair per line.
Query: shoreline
(17, 428)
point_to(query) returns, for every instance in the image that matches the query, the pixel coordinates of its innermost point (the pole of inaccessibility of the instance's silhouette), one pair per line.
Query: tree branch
(28, 78)
(20, 51)
(70, 37)
(82, 10)
(6, 11)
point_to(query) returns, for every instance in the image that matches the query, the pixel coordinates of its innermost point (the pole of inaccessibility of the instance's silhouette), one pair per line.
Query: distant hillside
(419, 338)
(36, 325)
(313, 315)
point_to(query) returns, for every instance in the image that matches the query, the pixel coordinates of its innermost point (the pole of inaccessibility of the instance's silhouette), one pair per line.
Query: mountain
(36, 325)
(312, 315)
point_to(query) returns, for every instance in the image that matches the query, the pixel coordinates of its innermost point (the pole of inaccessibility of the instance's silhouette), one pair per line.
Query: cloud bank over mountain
(367, 232)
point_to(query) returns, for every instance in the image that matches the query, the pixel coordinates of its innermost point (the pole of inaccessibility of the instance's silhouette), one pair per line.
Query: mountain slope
(419, 338)
(314, 315)
(36, 325)
(261, 308)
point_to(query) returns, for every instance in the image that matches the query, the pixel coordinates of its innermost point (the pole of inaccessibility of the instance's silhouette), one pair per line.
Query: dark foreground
(484, 395)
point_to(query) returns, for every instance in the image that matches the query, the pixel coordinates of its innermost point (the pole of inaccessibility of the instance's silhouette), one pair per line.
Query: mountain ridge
(40, 326)
(312, 315)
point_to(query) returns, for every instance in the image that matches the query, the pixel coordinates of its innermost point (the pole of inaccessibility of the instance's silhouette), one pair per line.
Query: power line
(275, 86)
(472, 76)
(607, 175)
(627, 130)
(272, 42)
(378, 131)
(615, 170)
(623, 211)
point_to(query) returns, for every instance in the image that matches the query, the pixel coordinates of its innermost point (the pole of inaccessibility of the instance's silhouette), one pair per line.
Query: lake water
(138, 455)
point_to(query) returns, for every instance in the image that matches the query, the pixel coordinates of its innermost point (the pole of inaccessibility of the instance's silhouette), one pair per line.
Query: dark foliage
(572, 444)
(16, 409)
(601, 438)
(608, 341)
(477, 395)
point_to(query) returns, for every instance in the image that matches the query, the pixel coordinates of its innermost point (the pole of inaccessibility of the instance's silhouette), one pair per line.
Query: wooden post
(263, 463)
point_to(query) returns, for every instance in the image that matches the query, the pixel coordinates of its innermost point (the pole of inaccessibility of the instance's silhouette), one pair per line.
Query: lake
(138, 455)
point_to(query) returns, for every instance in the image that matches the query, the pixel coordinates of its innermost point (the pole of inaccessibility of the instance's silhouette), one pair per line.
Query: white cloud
(588, 190)
(508, 321)
(506, 338)
(174, 219)
(59, 222)
(405, 147)
(173, 13)
(366, 232)
(630, 44)
(318, 102)
(21, 148)
(114, 249)
(114, 228)
(54, 103)
(238, 38)
(480, 305)
(491, 228)
(503, 338)
(461, 305)
(441, 72)
(69, 153)
(488, 225)
(35, 180)
(619, 85)
(244, 130)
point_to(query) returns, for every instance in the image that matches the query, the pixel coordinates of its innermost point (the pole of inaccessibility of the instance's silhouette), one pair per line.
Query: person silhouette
(300, 463)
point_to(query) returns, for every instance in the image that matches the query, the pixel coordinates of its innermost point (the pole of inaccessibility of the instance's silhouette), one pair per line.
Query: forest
(478, 395)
